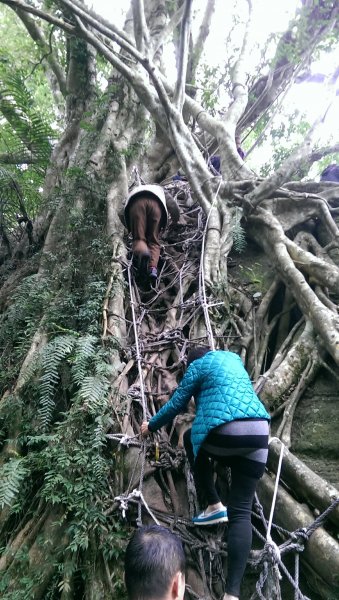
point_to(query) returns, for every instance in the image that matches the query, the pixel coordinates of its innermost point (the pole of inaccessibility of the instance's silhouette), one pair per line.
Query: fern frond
(12, 474)
(94, 392)
(51, 357)
(17, 107)
(25, 138)
(85, 349)
(103, 368)
(98, 438)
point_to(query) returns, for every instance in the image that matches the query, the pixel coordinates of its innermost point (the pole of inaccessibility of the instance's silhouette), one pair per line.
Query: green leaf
(12, 474)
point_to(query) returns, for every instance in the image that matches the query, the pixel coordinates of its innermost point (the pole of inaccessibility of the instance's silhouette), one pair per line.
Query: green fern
(94, 389)
(12, 474)
(85, 349)
(17, 106)
(51, 357)
(90, 373)
(25, 139)
(19, 194)
(18, 323)
(94, 393)
(98, 439)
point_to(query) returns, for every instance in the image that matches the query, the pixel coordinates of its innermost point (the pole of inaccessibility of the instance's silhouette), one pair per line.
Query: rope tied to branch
(135, 494)
(124, 439)
(270, 557)
(320, 520)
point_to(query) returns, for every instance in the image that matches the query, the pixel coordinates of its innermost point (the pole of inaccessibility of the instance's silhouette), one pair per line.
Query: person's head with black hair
(155, 565)
(196, 352)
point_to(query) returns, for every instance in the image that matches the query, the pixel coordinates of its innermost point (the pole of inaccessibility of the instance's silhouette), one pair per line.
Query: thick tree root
(304, 482)
(321, 550)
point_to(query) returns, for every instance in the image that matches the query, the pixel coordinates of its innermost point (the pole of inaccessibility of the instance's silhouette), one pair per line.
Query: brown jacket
(166, 200)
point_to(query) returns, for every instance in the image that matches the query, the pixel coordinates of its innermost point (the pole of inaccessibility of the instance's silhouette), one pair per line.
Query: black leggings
(242, 446)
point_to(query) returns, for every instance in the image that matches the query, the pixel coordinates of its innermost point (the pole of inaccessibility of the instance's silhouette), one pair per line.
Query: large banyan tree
(88, 350)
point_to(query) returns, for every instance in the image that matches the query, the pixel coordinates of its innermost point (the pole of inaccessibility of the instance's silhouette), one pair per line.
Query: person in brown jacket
(146, 213)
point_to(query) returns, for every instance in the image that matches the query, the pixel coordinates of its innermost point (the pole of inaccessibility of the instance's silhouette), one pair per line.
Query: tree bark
(321, 550)
(306, 485)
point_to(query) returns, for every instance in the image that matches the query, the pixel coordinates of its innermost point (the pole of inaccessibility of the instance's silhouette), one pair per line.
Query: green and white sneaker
(211, 518)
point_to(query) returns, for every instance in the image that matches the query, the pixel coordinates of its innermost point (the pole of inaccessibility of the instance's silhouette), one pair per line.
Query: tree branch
(319, 153)
(293, 51)
(174, 22)
(269, 235)
(179, 93)
(313, 489)
(136, 81)
(112, 33)
(324, 273)
(141, 32)
(37, 35)
(284, 431)
(19, 4)
(232, 166)
(285, 171)
(100, 20)
(202, 36)
(240, 92)
(143, 90)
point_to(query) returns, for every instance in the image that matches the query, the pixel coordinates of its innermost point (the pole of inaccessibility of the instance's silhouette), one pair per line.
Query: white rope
(124, 500)
(142, 392)
(272, 547)
(123, 438)
(296, 575)
(202, 276)
(137, 347)
(270, 520)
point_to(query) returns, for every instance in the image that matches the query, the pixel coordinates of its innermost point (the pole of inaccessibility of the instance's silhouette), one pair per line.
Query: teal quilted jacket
(222, 391)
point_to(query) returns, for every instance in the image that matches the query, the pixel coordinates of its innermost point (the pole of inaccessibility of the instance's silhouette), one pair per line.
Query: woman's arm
(187, 388)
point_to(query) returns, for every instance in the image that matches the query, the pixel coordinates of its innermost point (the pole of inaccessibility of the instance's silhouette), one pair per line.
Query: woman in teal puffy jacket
(230, 427)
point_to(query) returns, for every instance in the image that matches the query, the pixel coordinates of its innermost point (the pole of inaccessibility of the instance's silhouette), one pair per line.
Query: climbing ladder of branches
(164, 321)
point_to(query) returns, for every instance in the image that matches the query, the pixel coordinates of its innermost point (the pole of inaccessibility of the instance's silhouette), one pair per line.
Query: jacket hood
(156, 190)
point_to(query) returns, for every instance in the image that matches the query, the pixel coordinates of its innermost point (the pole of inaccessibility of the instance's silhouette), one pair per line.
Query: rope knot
(126, 440)
(123, 501)
(300, 533)
(272, 551)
